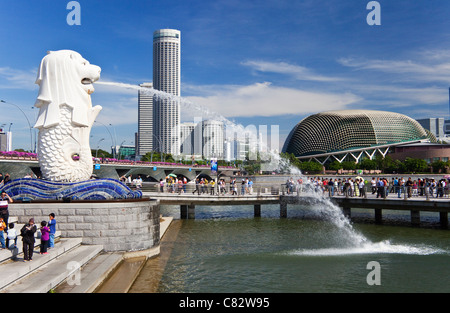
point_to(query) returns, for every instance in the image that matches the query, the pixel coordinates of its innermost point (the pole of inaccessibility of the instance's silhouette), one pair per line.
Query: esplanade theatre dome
(334, 131)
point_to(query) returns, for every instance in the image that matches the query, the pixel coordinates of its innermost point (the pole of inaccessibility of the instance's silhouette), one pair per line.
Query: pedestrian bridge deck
(415, 205)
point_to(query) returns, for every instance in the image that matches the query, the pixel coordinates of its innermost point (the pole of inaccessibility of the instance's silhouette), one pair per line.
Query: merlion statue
(66, 116)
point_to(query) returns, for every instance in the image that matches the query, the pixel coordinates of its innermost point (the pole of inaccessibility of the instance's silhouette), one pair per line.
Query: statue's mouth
(87, 81)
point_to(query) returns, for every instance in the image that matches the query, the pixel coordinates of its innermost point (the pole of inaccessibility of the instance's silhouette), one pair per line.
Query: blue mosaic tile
(99, 189)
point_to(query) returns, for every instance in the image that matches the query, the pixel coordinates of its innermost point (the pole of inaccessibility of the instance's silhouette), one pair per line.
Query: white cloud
(264, 99)
(17, 79)
(407, 70)
(298, 72)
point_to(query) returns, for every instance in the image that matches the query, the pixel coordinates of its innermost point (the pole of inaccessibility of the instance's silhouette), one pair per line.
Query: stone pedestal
(118, 225)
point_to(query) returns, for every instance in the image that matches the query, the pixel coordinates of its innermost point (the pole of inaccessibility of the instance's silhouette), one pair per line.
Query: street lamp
(120, 149)
(112, 140)
(98, 146)
(160, 148)
(115, 138)
(31, 133)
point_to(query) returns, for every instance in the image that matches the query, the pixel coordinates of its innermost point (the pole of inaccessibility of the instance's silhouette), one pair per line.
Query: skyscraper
(144, 141)
(166, 77)
(213, 139)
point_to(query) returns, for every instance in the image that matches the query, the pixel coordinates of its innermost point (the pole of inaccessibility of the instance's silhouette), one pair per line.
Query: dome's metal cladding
(335, 131)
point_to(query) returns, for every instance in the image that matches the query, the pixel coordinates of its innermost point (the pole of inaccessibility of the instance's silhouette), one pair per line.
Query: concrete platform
(13, 271)
(52, 274)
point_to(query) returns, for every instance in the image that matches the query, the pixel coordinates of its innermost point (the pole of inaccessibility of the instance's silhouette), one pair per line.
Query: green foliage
(439, 166)
(166, 157)
(368, 164)
(414, 165)
(100, 153)
(311, 167)
(388, 165)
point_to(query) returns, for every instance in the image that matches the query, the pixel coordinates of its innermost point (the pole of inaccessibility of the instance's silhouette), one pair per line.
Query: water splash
(383, 247)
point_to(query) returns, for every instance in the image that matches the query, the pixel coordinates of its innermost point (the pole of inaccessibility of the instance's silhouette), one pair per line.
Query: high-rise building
(187, 138)
(144, 141)
(434, 125)
(213, 139)
(166, 77)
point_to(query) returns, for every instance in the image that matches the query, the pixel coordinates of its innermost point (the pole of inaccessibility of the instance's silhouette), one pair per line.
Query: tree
(384, 163)
(415, 165)
(439, 166)
(334, 166)
(100, 153)
(368, 164)
(309, 167)
(166, 157)
(348, 165)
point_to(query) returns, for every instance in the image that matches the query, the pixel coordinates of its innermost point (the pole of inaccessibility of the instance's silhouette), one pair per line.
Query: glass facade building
(145, 120)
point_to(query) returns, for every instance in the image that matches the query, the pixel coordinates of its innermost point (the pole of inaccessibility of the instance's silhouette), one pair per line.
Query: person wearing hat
(27, 233)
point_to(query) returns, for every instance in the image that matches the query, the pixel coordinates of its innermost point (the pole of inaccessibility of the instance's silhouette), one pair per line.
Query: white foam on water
(383, 247)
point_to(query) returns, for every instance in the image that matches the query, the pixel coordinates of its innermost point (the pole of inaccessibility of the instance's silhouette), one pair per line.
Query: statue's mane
(59, 83)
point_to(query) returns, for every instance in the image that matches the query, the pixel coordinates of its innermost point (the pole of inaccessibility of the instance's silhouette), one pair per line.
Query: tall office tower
(187, 138)
(144, 141)
(166, 77)
(434, 125)
(213, 139)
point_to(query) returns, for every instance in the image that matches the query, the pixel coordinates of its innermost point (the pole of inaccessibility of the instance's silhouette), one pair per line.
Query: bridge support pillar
(191, 211)
(283, 209)
(257, 210)
(183, 211)
(187, 211)
(443, 219)
(347, 211)
(378, 216)
(415, 218)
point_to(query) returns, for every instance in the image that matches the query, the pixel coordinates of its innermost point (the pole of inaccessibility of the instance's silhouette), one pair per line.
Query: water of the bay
(225, 249)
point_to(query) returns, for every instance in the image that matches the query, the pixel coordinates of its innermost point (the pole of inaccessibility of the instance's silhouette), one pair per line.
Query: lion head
(65, 77)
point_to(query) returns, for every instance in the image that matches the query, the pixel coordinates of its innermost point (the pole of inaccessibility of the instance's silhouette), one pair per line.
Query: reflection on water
(226, 249)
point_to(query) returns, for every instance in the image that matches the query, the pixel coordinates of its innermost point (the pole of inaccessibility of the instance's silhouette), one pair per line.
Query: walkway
(414, 204)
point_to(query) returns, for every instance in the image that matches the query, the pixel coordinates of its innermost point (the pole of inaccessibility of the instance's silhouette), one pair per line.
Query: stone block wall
(126, 225)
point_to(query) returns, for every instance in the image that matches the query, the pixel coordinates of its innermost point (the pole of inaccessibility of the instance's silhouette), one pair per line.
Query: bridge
(277, 195)
(267, 190)
(19, 167)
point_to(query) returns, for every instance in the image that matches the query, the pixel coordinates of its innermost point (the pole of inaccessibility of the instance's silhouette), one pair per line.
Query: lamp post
(112, 140)
(160, 148)
(31, 133)
(120, 150)
(115, 138)
(98, 146)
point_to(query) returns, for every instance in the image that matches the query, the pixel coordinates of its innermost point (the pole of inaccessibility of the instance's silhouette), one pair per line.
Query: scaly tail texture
(64, 152)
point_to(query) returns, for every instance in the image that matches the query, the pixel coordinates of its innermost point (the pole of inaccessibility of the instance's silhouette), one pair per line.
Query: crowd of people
(381, 186)
(202, 185)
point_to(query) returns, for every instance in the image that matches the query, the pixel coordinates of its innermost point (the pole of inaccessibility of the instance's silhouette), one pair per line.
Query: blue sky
(255, 62)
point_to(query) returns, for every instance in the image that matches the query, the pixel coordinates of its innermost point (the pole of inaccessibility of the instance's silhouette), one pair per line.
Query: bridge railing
(239, 189)
(404, 192)
(267, 189)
